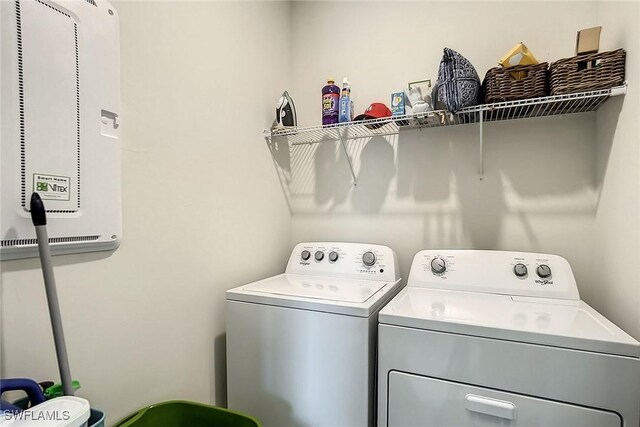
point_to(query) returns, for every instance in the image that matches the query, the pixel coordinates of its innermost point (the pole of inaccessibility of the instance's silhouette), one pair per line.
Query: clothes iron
(285, 112)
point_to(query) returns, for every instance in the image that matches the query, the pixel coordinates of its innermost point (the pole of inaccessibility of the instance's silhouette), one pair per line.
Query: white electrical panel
(60, 125)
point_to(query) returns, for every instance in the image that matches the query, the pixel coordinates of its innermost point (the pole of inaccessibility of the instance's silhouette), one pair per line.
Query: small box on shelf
(588, 40)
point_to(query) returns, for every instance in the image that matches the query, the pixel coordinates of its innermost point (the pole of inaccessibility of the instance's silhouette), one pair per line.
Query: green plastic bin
(180, 413)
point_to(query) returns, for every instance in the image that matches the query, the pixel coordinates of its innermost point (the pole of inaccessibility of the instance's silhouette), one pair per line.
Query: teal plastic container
(180, 413)
(96, 418)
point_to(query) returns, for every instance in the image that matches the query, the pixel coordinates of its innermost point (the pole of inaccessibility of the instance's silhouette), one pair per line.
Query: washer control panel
(349, 260)
(498, 272)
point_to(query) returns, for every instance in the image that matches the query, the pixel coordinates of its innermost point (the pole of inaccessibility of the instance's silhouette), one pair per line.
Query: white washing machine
(301, 346)
(488, 338)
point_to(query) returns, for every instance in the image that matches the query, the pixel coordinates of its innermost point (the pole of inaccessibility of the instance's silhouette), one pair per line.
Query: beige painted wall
(422, 189)
(203, 211)
(615, 289)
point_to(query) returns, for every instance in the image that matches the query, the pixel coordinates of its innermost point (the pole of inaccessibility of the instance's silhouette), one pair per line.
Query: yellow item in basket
(518, 55)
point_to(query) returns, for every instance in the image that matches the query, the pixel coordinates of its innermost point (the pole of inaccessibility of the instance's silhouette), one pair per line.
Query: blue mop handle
(39, 219)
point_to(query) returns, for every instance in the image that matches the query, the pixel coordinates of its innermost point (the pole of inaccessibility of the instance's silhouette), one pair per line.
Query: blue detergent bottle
(346, 111)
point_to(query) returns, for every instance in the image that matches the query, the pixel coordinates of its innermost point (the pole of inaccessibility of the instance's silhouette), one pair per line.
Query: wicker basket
(587, 72)
(512, 83)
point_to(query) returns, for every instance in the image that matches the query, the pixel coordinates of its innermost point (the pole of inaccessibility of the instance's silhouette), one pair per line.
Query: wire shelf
(500, 111)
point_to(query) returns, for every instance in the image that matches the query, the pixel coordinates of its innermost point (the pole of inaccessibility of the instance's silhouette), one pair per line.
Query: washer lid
(555, 322)
(331, 294)
(318, 287)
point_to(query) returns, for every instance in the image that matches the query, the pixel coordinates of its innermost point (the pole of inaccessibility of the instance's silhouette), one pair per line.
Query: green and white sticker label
(52, 187)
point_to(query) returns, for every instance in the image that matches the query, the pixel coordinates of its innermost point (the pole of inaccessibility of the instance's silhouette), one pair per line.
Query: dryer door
(427, 402)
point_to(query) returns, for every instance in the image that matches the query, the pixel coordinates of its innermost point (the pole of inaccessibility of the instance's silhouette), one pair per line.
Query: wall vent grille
(26, 242)
(75, 30)
(23, 161)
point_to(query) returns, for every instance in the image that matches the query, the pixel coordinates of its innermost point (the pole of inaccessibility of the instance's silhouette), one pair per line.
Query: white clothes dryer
(301, 346)
(490, 338)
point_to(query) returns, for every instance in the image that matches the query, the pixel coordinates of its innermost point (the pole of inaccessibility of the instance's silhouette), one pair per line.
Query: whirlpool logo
(544, 282)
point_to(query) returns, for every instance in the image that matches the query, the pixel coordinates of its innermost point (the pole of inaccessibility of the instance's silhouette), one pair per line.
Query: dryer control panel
(522, 274)
(349, 260)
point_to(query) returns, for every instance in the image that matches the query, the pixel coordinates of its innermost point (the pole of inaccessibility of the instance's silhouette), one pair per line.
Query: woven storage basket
(587, 72)
(501, 84)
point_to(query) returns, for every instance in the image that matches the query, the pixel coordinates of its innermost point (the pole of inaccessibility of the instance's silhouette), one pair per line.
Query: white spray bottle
(345, 110)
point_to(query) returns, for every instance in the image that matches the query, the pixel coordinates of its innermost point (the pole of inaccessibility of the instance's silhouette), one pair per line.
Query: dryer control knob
(319, 255)
(368, 258)
(438, 266)
(520, 270)
(305, 255)
(333, 256)
(543, 271)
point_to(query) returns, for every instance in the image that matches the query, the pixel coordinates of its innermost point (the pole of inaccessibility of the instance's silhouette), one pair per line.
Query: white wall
(615, 289)
(421, 189)
(203, 211)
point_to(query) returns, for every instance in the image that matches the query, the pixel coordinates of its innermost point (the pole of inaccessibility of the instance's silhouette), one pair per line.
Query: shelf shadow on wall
(438, 170)
(377, 169)
(332, 182)
(543, 157)
(482, 206)
(281, 156)
(607, 123)
(280, 152)
(425, 165)
(533, 168)
(373, 162)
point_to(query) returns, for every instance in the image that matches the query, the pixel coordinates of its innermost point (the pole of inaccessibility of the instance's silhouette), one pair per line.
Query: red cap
(377, 110)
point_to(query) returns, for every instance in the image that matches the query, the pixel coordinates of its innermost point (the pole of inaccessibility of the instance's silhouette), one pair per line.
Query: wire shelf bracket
(480, 140)
(343, 135)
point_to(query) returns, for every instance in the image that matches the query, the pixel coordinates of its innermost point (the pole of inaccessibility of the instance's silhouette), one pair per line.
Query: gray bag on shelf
(458, 84)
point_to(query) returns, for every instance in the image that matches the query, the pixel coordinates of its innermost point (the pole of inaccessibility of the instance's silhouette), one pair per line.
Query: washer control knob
(333, 256)
(520, 270)
(319, 255)
(438, 266)
(543, 271)
(305, 255)
(368, 258)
